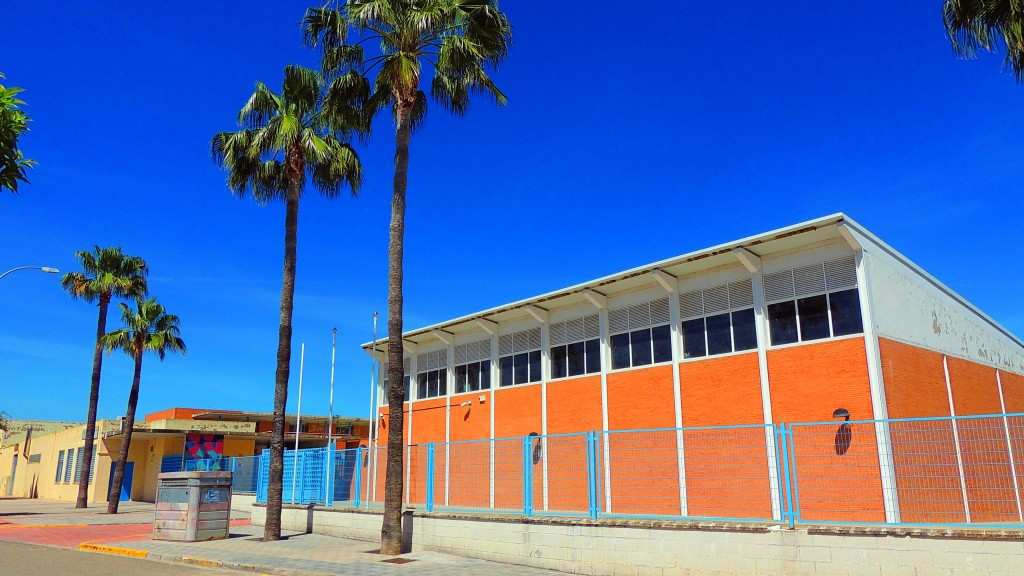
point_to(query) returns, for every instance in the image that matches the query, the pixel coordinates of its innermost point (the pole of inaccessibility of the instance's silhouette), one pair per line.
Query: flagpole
(298, 423)
(372, 423)
(330, 421)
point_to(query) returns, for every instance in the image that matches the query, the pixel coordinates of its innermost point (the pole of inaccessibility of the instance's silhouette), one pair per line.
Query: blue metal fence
(946, 471)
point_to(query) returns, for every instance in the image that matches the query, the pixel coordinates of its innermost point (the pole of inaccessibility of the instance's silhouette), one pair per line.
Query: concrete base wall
(243, 502)
(644, 547)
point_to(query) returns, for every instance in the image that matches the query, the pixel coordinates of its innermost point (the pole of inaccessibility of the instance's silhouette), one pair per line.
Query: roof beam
(443, 336)
(667, 281)
(599, 301)
(489, 326)
(849, 236)
(750, 261)
(410, 347)
(539, 314)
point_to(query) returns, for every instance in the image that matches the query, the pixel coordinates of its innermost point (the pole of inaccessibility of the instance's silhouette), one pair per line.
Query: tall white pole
(372, 427)
(298, 423)
(330, 420)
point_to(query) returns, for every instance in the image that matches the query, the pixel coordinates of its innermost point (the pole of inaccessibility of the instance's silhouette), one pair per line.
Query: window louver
(716, 299)
(828, 276)
(733, 296)
(841, 273)
(741, 294)
(691, 304)
(778, 286)
(432, 360)
(618, 320)
(638, 316)
(809, 280)
(523, 341)
(473, 351)
(575, 330)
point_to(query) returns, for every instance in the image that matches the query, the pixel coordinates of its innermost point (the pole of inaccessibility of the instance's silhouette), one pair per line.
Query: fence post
(782, 441)
(592, 479)
(527, 477)
(358, 467)
(329, 485)
(430, 477)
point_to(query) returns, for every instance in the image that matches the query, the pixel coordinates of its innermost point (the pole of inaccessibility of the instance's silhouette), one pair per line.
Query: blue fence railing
(932, 471)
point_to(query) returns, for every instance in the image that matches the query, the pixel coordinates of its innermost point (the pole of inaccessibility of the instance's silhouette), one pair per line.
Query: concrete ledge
(960, 533)
(642, 547)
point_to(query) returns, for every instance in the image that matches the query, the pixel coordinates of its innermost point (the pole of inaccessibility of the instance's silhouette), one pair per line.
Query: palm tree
(458, 40)
(13, 123)
(987, 24)
(148, 328)
(285, 139)
(106, 273)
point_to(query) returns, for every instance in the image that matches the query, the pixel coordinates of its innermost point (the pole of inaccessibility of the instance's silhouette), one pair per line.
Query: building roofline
(747, 242)
(632, 272)
(896, 254)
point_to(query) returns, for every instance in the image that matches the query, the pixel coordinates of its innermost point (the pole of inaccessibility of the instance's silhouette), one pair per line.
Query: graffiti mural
(204, 452)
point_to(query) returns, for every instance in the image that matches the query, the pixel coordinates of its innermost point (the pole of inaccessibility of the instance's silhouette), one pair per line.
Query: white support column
(606, 363)
(412, 401)
(494, 387)
(956, 440)
(448, 418)
(752, 263)
(1009, 446)
(876, 380)
(600, 301)
(671, 285)
(545, 371)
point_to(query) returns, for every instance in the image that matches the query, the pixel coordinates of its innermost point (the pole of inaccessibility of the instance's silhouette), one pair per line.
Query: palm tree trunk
(94, 400)
(126, 433)
(391, 530)
(272, 527)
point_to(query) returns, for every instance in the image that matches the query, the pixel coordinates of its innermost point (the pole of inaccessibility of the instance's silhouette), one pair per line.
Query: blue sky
(631, 135)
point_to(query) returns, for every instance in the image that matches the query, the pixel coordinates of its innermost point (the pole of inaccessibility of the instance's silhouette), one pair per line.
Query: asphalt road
(18, 559)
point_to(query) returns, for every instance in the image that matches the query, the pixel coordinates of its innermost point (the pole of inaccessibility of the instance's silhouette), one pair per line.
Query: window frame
(651, 344)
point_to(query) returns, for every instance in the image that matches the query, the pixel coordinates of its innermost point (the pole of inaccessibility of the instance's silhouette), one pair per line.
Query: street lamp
(45, 269)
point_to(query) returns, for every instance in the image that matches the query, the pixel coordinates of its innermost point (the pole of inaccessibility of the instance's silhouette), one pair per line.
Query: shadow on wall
(407, 531)
(33, 492)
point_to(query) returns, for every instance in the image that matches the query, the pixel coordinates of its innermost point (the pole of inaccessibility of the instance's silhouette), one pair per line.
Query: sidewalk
(59, 524)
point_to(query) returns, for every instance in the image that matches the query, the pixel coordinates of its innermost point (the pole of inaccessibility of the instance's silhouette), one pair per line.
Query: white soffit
(763, 245)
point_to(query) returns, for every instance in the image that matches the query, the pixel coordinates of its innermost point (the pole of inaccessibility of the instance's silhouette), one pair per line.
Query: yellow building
(46, 463)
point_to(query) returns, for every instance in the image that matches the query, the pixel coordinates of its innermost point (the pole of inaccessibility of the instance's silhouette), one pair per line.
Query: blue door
(126, 486)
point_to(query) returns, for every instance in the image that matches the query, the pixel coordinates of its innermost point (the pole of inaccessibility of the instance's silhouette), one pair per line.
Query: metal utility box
(192, 506)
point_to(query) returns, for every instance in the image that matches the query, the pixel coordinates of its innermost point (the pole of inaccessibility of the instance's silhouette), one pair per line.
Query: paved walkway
(59, 524)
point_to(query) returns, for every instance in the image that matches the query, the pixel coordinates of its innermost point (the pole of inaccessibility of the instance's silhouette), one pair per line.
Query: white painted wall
(913, 309)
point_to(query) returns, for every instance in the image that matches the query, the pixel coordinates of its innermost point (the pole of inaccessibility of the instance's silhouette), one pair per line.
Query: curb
(114, 550)
(207, 563)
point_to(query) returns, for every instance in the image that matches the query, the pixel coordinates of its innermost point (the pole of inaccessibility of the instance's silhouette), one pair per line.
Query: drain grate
(398, 560)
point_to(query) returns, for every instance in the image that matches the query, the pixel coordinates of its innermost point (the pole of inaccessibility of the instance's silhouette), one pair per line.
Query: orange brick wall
(986, 463)
(726, 470)
(1013, 392)
(471, 422)
(428, 425)
(644, 467)
(469, 468)
(808, 383)
(721, 391)
(915, 383)
(517, 412)
(924, 453)
(574, 406)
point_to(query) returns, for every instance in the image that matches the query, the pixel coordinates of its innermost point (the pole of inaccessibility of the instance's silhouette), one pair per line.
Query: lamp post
(45, 269)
